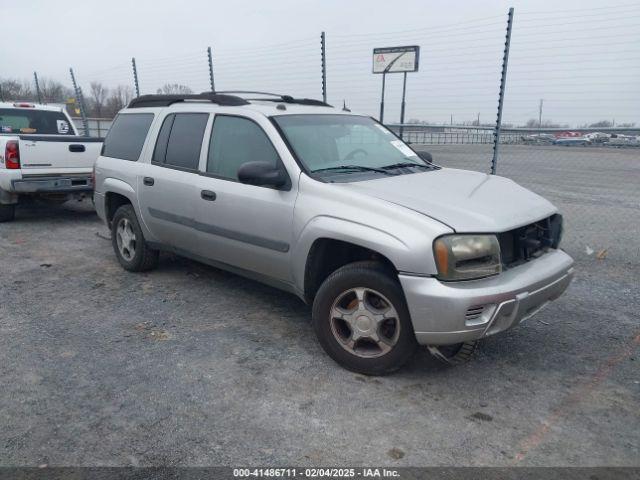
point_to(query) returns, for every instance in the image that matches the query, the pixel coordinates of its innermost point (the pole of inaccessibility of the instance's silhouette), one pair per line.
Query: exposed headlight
(465, 257)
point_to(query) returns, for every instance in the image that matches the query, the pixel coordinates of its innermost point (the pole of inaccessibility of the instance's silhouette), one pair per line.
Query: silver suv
(391, 250)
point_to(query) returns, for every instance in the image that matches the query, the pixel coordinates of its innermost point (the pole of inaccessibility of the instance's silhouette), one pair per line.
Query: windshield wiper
(407, 164)
(359, 168)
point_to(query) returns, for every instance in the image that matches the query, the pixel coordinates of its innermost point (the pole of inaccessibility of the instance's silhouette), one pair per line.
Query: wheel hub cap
(364, 322)
(365, 325)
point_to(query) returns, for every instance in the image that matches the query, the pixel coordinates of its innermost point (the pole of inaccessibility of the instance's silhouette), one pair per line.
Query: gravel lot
(189, 365)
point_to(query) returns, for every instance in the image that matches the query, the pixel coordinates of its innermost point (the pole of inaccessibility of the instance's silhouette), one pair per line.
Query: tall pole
(323, 51)
(212, 83)
(35, 77)
(384, 75)
(540, 115)
(80, 100)
(402, 105)
(135, 76)
(503, 81)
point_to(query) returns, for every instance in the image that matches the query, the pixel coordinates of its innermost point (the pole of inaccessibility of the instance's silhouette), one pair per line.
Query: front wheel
(132, 251)
(362, 321)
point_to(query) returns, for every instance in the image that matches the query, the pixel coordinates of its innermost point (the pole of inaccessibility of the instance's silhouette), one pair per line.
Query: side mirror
(262, 174)
(426, 156)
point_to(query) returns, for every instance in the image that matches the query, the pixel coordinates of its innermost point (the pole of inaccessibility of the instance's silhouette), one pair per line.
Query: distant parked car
(568, 133)
(624, 141)
(569, 141)
(538, 138)
(598, 137)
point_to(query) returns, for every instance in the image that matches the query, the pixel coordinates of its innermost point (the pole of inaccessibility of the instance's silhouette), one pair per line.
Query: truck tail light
(12, 155)
(93, 176)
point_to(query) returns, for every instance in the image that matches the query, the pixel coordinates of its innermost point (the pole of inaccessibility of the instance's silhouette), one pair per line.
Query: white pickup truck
(42, 155)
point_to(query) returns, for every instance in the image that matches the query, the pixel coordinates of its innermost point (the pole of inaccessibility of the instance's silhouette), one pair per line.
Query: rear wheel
(132, 251)
(455, 354)
(361, 319)
(7, 213)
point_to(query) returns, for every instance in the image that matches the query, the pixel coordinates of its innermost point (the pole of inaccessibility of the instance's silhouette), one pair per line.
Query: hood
(465, 201)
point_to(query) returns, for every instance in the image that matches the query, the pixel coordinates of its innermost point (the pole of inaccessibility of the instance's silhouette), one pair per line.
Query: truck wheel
(456, 354)
(362, 321)
(132, 251)
(7, 213)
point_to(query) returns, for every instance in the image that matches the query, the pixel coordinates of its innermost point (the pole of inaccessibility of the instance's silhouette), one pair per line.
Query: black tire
(144, 258)
(369, 275)
(7, 213)
(456, 354)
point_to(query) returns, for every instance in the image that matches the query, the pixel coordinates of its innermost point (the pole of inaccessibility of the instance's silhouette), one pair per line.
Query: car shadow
(277, 300)
(40, 211)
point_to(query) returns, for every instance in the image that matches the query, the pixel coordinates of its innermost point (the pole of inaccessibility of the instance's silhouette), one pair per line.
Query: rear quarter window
(127, 135)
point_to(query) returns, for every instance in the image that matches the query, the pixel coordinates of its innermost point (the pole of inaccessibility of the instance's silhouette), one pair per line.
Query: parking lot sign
(396, 59)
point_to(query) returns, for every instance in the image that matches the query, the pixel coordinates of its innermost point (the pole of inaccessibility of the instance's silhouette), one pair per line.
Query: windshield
(348, 146)
(34, 122)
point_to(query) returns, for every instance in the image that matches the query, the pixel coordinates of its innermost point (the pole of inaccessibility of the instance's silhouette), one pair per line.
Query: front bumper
(70, 184)
(453, 312)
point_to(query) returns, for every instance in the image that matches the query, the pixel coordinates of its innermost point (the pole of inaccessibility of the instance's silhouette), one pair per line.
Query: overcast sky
(581, 57)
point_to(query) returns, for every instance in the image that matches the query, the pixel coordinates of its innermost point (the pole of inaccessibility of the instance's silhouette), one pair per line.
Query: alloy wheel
(364, 322)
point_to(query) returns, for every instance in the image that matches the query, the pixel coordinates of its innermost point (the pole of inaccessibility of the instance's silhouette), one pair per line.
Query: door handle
(77, 148)
(148, 181)
(208, 195)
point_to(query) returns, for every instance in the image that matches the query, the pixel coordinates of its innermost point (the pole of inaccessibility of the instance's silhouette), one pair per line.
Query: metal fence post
(35, 77)
(323, 52)
(503, 80)
(404, 93)
(80, 100)
(135, 76)
(384, 75)
(211, 81)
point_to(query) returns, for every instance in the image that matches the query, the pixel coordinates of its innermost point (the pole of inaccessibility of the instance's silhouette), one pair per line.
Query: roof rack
(279, 98)
(166, 100)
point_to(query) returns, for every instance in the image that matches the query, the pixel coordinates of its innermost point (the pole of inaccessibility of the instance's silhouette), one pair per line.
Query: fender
(114, 185)
(336, 228)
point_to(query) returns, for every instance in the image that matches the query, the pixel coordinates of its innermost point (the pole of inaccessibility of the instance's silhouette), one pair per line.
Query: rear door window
(185, 135)
(127, 135)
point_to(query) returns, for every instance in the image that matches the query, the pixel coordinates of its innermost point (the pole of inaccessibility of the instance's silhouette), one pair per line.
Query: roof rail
(252, 92)
(279, 98)
(166, 100)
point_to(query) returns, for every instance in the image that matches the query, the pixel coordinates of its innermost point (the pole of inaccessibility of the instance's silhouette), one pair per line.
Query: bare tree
(52, 91)
(99, 95)
(534, 123)
(118, 99)
(601, 124)
(11, 89)
(174, 88)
